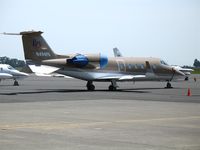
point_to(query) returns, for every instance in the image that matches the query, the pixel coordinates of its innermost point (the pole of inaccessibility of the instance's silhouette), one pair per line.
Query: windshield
(163, 62)
(11, 68)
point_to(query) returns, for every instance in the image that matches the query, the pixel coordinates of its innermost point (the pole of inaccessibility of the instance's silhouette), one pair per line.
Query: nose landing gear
(16, 83)
(168, 86)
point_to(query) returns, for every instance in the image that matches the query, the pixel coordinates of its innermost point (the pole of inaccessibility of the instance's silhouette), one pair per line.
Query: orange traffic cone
(189, 92)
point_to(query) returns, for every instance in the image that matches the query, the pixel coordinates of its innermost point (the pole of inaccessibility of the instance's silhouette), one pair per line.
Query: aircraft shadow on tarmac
(38, 91)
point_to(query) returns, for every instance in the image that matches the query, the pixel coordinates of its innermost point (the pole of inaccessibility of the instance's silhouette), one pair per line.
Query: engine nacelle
(88, 60)
(78, 60)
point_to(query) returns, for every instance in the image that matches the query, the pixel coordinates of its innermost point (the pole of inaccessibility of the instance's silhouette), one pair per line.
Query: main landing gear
(113, 86)
(90, 86)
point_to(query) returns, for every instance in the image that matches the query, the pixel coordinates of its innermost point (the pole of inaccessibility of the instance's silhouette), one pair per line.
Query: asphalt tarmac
(58, 114)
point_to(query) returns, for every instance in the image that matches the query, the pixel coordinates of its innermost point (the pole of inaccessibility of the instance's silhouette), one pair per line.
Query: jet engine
(78, 60)
(88, 61)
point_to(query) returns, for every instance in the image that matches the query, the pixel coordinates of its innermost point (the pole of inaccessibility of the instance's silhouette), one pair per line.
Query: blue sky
(169, 29)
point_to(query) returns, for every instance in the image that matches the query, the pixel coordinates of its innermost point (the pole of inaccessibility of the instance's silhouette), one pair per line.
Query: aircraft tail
(35, 47)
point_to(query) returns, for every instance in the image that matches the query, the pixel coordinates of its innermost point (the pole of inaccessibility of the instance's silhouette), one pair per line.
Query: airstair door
(121, 65)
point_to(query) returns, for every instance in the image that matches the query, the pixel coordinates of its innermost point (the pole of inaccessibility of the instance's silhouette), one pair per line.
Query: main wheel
(90, 87)
(112, 88)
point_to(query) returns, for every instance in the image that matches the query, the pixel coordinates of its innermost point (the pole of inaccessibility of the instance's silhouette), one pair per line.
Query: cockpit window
(163, 62)
(11, 68)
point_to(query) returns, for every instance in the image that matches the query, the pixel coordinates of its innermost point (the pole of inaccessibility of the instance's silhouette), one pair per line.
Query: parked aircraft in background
(186, 71)
(8, 72)
(95, 67)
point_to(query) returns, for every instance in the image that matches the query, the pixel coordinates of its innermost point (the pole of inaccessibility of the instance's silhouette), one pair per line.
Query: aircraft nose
(22, 74)
(25, 74)
(178, 72)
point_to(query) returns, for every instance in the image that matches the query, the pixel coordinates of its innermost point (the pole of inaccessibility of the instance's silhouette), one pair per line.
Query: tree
(13, 62)
(196, 63)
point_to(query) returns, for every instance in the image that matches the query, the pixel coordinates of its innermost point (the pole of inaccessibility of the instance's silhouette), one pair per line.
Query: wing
(43, 69)
(122, 77)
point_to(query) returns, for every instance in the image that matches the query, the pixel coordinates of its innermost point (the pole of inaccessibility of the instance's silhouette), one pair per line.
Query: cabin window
(121, 66)
(142, 66)
(129, 66)
(132, 66)
(136, 66)
(154, 66)
(139, 66)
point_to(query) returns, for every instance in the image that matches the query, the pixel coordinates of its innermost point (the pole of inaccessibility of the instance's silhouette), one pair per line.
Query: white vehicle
(8, 72)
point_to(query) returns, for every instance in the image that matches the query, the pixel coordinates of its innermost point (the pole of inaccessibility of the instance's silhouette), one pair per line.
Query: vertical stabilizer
(35, 47)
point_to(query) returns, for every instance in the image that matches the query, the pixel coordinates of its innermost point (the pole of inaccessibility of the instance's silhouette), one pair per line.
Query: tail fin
(116, 52)
(35, 47)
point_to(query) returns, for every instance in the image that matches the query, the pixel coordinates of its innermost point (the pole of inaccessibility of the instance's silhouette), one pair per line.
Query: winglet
(116, 52)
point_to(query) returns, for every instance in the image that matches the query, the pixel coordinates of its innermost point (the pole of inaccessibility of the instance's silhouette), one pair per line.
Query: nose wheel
(90, 86)
(168, 86)
(186, 78)
(16, 83)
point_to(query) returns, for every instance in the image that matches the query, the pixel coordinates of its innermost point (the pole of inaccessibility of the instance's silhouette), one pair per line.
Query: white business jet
(8, 72)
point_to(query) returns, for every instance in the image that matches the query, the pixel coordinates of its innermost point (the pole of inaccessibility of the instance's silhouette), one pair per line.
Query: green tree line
(13, 62)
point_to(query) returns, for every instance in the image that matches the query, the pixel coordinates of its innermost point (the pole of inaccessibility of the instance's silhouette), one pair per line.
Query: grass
(196, 71)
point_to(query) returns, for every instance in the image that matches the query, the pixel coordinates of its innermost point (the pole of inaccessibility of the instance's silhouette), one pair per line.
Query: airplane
(186, 71)
(8, 72)
(94, 67)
